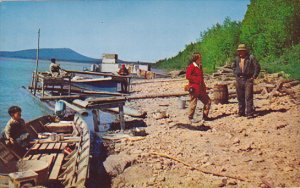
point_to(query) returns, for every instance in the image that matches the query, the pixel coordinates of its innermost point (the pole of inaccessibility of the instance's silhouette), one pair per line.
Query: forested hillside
(270, 28)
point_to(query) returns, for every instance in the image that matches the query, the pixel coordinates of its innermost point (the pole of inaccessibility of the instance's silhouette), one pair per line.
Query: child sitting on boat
(14, 133)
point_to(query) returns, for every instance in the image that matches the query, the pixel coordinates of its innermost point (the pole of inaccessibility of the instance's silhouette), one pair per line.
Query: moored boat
(58, 155)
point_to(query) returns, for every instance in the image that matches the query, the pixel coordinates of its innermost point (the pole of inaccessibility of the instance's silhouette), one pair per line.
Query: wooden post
(128, 85)
(32, 82)
(36, 83)
(69, 92)
(121, 115)
(43, 90)
(37, 63)
(61, 89)
(96, 120)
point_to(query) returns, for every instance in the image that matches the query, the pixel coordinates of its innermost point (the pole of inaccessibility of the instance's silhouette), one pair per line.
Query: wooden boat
(59, 160)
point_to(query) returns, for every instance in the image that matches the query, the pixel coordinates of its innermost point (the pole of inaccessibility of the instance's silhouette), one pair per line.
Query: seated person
(55, 69)
(13, 133)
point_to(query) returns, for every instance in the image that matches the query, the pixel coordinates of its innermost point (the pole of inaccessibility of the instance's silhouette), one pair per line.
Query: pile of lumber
(224, 73)
(268, 85)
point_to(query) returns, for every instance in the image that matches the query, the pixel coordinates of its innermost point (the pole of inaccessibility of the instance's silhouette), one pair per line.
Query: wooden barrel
(220, 94)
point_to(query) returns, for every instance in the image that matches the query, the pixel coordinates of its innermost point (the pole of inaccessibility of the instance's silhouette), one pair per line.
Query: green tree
(271, 26)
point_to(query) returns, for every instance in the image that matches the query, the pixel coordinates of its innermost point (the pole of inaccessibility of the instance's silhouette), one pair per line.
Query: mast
(37, 63)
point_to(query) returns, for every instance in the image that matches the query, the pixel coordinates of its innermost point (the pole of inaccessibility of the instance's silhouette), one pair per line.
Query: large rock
(116, 164)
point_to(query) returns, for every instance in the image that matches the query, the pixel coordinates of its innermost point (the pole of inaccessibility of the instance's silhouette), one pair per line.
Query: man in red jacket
(197, 87)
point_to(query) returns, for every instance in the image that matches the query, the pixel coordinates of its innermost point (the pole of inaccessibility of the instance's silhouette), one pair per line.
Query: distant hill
(61, 54)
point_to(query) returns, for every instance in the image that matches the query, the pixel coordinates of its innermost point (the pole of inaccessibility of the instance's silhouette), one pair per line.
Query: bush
(288, 63)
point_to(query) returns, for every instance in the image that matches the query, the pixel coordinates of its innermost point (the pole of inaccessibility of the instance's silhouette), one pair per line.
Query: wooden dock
(49, 89)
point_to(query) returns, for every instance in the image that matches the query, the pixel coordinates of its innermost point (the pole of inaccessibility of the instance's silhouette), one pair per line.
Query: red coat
(194, 74)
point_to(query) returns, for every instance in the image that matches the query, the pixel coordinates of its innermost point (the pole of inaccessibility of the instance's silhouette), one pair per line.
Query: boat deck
(60, 160)
(52, 153)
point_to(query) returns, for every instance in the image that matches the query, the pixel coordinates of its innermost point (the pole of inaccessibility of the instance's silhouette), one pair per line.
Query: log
(105, 99)
(292, 83)
(123, 98)
(162, 95)
(103, 93)
(276, 89)
(225, 70)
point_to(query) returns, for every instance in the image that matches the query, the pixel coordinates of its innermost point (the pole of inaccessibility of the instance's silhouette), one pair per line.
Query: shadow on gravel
(193, 128)
(219, 117)
(265, 112)
(129, 124)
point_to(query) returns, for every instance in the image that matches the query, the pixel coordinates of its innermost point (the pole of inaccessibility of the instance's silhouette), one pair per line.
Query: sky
(137, 30)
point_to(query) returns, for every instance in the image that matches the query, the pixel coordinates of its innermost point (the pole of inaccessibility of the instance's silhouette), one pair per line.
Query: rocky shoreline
(236, 152)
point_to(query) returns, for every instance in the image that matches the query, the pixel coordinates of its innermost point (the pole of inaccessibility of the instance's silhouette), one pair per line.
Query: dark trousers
(124, 87)
(244, 90)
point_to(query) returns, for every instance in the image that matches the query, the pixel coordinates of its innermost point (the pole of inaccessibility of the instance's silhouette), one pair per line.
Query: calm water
(17, 73)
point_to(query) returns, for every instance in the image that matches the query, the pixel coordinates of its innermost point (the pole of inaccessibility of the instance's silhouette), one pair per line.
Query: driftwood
(291, 83)
(201, 170)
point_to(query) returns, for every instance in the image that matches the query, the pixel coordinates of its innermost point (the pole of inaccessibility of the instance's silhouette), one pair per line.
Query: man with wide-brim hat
(246, 69)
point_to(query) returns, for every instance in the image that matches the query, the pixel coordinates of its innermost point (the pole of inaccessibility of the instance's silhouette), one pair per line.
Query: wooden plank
(62, 97)
(50, 147)
(47, 141)
(44, 146)
(57, 146)
(106, 99)
(40, 151)
(56, 167)
(97, 73)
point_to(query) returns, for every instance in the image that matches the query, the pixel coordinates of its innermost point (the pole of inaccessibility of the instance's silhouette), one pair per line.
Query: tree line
(270, 28)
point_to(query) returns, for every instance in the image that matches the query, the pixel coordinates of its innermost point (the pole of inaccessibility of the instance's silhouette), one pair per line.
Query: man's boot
(206, 111)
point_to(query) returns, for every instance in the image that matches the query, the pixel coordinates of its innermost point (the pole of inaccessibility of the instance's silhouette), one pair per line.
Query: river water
(15, 73)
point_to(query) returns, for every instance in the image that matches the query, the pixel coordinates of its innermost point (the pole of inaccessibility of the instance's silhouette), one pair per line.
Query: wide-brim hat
(242, 47)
